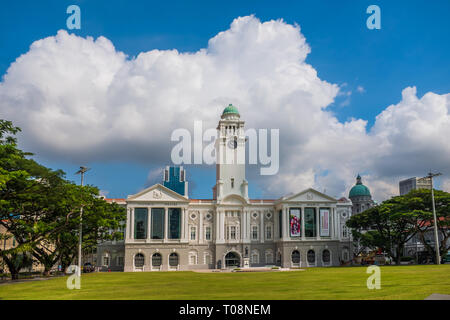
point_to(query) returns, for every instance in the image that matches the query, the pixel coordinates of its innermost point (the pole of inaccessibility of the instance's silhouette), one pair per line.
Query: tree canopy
(391, 224)
(41, 209)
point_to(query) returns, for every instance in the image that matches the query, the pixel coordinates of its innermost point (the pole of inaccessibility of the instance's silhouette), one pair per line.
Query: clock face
(232, 144)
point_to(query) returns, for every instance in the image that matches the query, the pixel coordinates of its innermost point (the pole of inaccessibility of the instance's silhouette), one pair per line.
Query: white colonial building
(166, 230)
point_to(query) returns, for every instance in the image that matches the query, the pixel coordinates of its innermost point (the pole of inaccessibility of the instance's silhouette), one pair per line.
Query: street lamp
(436, 237)
(81, 171)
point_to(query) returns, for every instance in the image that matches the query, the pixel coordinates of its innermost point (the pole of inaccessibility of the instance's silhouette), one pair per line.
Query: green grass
(397, 282)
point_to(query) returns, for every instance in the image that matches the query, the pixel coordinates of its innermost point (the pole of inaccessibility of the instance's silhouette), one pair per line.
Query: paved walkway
(438, 296)
(9, 281)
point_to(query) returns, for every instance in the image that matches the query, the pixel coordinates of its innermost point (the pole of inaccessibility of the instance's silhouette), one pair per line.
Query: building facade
(414, 183)
(166, 230)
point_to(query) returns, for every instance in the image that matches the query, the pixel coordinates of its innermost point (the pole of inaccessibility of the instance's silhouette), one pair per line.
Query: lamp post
(436, 236)
(81, 171)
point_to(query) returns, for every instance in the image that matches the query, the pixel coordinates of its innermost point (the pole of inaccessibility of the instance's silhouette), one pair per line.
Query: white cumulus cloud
(81, 99)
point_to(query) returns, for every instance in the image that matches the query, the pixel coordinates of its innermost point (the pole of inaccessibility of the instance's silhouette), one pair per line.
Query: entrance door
(232, 260)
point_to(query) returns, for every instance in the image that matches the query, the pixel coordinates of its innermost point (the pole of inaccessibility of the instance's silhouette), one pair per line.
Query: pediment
(310, 195)
(157, 193)
(234, 199)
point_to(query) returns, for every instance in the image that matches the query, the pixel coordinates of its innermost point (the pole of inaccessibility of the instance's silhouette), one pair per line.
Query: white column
(186, 225)
(285, 223)
(200, 228)
(275, 230)
(182, 224)
(338, 223)
(128, 225)
(132, 223)
(317, 223)
(262, 227)
(248, 226)
(243, 225)
(149, 218)
(217, 221)
(333, 223)
(222, 226)
(166, 224)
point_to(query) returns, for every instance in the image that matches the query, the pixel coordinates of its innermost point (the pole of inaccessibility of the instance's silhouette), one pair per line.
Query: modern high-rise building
(414, 183)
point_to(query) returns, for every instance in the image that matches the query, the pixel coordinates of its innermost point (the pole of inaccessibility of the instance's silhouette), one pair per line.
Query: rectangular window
(174, 223)
(232, 232)
(280, 224)
(232, 183)
(324, 216)
(208, 233)
(140, 223)
(269, 232)
(294, 222)
(193, 233)
(157, 223)
(254, 232)
(310, 222)
(120, 261)
(166, 175)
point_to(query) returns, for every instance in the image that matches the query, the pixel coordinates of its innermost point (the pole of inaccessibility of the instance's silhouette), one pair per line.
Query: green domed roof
(230, 109)
(359, 189)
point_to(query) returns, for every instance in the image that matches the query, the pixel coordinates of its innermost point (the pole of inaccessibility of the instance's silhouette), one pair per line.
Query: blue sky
(411, 49)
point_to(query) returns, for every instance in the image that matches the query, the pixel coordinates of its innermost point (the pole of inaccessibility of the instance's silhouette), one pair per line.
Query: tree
(387, 227)
(421, 200)
(41, 209)
(101, 221)
(391, 224)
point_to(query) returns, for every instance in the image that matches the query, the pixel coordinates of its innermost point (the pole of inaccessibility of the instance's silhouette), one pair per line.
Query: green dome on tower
(359, 189)
(230, 109)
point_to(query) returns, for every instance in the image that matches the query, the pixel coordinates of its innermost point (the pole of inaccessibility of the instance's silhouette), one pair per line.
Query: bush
(275, 268)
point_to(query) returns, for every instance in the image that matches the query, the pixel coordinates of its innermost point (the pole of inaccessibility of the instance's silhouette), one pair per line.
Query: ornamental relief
(268, 214)
(193, 214)
(255, 214)
(157, 194)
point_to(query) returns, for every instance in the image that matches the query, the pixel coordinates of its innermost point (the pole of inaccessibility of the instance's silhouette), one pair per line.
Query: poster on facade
(294, 222)
(324, 222)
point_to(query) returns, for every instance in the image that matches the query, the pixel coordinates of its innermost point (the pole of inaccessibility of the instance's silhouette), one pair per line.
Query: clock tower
(230, 156)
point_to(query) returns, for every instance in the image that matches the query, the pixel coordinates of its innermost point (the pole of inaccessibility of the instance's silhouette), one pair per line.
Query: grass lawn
(397, 282)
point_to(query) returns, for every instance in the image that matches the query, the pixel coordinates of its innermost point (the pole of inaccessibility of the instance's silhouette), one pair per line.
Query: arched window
(192, 257)
(105, 259)
(345, 255)
(326, 257)
(255, 256)
(295, 256)
(156, 260)
(207, 258)
(311, 257)
(139, 260)
(173, 259)
(269, 256)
